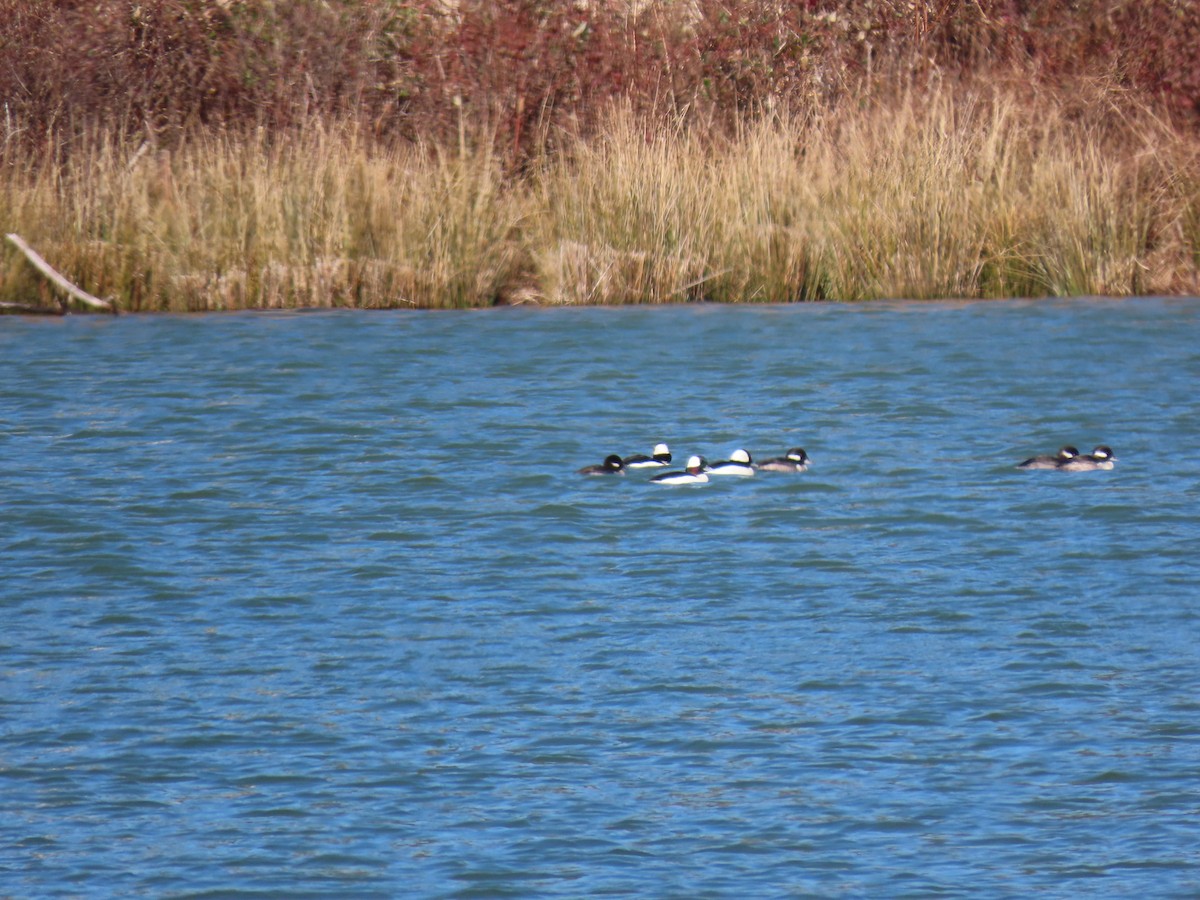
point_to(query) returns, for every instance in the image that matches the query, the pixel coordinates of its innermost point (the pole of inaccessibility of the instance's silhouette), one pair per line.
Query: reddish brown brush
(523, 70)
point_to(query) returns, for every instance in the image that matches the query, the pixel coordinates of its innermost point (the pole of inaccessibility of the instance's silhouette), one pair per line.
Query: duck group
(698, 470)
(1069, 459)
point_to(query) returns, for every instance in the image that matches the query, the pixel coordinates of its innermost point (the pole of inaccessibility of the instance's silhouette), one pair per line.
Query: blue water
(315, 605)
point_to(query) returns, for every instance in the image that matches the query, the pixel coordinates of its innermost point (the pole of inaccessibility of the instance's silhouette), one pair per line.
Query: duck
(796, 460)
(612, 465)
(1100, 458)
(661, 458)
(739, 463)
(1050, 462)
(694, 473)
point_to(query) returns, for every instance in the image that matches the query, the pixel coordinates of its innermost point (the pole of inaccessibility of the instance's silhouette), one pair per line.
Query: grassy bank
(936, 194)
(204, 154)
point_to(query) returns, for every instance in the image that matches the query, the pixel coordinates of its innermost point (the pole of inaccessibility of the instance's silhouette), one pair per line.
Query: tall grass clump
(1101, 206)
(622, 218)
(937, 194)
(228, 222)
(765, 226)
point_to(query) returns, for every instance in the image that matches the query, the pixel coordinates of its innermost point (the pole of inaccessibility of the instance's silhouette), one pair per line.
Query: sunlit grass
(623, 219)
(225, 223)
(929, 196)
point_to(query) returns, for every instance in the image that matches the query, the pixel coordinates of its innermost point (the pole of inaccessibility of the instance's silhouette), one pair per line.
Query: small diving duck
(661, 457)
(796, 460)
(739, 463)
(1100, 458)
(612, 465)
(1050, 462)
(694, 473)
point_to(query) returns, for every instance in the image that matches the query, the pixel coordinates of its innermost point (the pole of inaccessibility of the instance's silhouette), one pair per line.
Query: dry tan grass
(227, 224)
(937, 195)
(933, 196)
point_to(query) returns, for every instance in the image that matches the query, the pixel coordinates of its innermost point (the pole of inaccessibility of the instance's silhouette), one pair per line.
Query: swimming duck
(612, 465)
(1049, 462)
(739, 463)
(796, 460)
(693, 474)
(1100, 458)
(661, 457)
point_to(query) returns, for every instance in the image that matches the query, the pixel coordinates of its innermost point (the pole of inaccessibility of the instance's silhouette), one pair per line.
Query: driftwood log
(57, 280)
(33, 310)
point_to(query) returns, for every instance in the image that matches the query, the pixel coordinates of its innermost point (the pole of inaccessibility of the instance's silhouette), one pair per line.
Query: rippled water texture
(315, 604)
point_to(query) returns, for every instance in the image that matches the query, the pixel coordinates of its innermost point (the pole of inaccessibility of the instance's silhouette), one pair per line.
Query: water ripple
(315, 604)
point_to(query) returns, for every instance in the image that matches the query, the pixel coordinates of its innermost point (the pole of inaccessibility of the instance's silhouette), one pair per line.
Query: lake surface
(314, 604)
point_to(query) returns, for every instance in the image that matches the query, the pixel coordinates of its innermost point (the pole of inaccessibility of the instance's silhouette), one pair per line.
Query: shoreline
(1082, 300)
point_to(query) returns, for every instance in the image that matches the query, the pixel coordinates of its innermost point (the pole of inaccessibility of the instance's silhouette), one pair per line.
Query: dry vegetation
(205, 155)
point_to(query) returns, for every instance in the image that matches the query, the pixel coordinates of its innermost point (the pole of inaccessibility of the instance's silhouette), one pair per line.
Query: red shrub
(522, 68)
